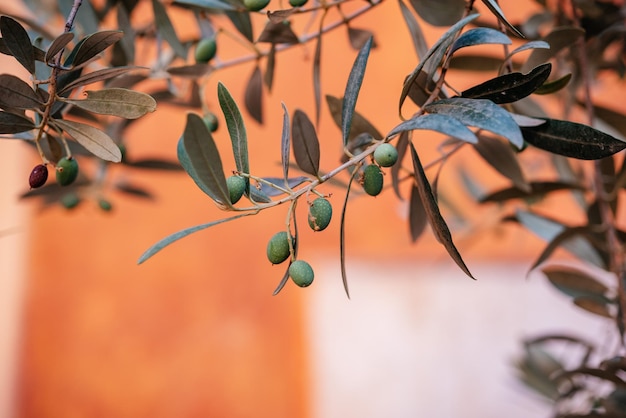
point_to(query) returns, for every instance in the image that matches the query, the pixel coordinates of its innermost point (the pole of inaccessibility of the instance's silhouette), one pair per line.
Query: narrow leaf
(501, 157)
(511, 87)
(417, 214)
(483, 114)
(306, 147)
(93, 140)
(278, 33)
(242, 22)
(417, 35)
(527, 46)
(558, 39)
(11, 123)
(572, 140)
(92, 45)
(536, 189)
(359, 37)
(445, 124)
(359, 123)
(497, 11)
(254, 95)
(436, 221)
(439, 12)
(595, 305)
(342, 235)
(58, 45)
(124, 103)
(270, 68)
(18, 42)
(236, 129)
(574, 282)
(396, 169)
(185, 232)
(96, 76)
(200, 157)
(352, 89)
(206, 4)
(166, 29)
(554, 86)
(480, 36)
(285, 142)
(296, 243)
(317, 89)
(15, 93)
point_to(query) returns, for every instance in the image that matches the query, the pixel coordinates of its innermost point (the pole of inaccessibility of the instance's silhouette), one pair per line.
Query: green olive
(66, 171)
(386, 155)
(297, 3)
(320, 213)
(211, 121)
(278, 248)
(255, 5)
(105, 205)
(301, 273)
(236, 187)
(206, 50)
(70, 200)
(372, 180)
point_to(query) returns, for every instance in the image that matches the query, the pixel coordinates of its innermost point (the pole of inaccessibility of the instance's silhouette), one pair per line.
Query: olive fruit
(297, 3)
(386, 155)
(236, 187)
(70, 200)
(211, 121)
(205, 50)
(372, 180)
(301, 273)
(105, 205)
(320, 213)
(255, 5)
(38, 176)
(66, 171)
(278, 248)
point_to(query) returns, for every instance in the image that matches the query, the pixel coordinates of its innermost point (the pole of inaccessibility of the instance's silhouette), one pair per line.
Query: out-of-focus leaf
(127, 43)
(124, 103)
(439, 12)
(92, 45)
(442, 44)
(317, 88)
(526, 121)
(436, 221)
(15, 93)
(11, 123)
(192, 71)
(595, 305)
(18, 42)
(306, 147)
(497, 11)
(285, 143)
(417, 215)
(469, 62)
(352, 90)
(242, 22)
(296, 243)
(501, 157)
(278, 33)
(510, 87)
(554, 86)
(133, 190)
(535, 189)
(559, 38)
(268, 77)
(206, 4)
(359, 123)
(58, 45)
(599, 373)
(166, 29)
(417, 35)
(574, 282)
(483, 114)
(480, 36)
(278, 16)
(258, 195)
(92, 139)
(185, 232)
(536, 370)
(359, 37)
(254, 95)
(422, 88)
(401, 146)
(572, 139)
(200, 158)
(236, 130)
(549, 229)
(154, 164)
(96, 76)
(280, 182)
(445, 124)
(342, 235)
(614, 118)
(527, 46)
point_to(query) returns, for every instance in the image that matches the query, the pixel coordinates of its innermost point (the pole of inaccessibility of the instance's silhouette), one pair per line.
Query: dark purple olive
(38, 176)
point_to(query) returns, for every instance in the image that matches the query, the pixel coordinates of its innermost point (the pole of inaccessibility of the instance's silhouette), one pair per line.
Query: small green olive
(105, 205)
(278, 248)
(297, 3)
(255, 5)
(211, 121)
(236, 187)
(66, 171)
(320, 213)
(206, 50)
(372, 180)
(38, 176)
(70, 200)
(301, 273)
(386, 155)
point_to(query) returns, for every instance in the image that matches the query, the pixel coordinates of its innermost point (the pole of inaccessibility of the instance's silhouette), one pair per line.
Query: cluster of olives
(66, 170)
(385, 155)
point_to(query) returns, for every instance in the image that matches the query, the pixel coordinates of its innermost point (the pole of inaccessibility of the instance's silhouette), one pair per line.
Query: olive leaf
(480, 36)
(124, 103)
(96, 76)
(92, 139)
(166, 29)
(481, 113)
(58, 45)
(285, 143)
(270, 68)
(92, 45)
(206, 4)
(236, 130)
(436, 221)
(574, 282)
(200, 158)
(401, 146)
(18, 42)
(501, 157)
(558, 39)
(317, 89)
(16, 93)
(439, 12)
(510, 87)
(359, 37)
(352, 89)
(497, 11)
(278, 33)
(242, 23)
(10, 123)
(417, 35)
(417, 214)
(359, 123)
(443, 123)
(536, 189)
(572, 139)
(306, 147)
(253, 98)
(342, 235)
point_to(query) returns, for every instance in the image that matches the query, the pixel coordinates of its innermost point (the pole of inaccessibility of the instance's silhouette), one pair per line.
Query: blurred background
(196, 332)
